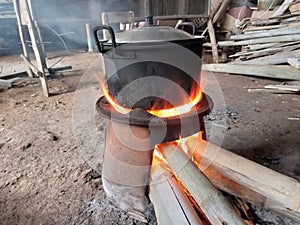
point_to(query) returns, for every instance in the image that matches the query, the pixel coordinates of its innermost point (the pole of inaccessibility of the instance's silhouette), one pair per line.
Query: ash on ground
(103, 212)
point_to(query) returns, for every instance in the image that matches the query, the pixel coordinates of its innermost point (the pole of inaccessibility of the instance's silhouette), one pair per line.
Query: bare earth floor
(45, 178)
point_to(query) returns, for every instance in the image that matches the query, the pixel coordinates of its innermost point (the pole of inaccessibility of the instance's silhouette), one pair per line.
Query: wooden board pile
(268, 40)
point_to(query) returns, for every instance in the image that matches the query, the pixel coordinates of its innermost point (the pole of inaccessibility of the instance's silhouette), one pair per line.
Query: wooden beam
(246, 179)
(213, 204)
(270, 71)
(170, 201)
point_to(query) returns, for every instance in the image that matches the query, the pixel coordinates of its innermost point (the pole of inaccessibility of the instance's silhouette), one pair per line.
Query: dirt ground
(45, 178)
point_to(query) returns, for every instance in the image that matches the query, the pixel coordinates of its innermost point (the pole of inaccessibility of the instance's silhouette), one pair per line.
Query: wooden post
(22, 38)
(41, 63)
(213, 41)
(89, 37)
(213, 204)
(246, 179)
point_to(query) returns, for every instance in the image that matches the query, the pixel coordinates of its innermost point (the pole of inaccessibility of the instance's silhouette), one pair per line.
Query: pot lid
(152, 34)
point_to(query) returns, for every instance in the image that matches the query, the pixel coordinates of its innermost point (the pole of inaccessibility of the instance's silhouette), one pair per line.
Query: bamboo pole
(213, 204)
(170, 201)
(246, 179)
(270, 71)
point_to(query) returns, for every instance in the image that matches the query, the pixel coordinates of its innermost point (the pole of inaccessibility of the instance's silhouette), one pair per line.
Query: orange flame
(194, 98)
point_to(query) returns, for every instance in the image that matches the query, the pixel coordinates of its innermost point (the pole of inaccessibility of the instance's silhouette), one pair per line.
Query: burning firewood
(171, 204)
(213, 204)
(246, 179)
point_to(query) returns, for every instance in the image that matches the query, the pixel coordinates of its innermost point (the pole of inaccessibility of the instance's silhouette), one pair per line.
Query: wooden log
(213, 204)
(270, 71)
(282, 38)
(170, 201)
(246, 179)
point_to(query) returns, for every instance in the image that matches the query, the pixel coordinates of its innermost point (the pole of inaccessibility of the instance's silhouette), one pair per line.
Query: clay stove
(130, 140)
(147, 100)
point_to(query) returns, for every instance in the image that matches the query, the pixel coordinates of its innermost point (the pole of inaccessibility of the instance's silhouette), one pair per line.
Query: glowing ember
(194, 98)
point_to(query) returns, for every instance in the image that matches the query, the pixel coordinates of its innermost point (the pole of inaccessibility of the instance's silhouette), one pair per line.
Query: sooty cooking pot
(150, 66)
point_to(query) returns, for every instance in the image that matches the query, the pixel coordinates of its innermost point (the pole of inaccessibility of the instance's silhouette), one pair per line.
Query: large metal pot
(145, 66)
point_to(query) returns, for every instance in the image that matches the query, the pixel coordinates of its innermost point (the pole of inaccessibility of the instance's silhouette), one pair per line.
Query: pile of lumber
(269, 38)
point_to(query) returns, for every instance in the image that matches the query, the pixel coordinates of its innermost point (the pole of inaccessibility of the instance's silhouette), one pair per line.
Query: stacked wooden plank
(269, 38)
(268, 46)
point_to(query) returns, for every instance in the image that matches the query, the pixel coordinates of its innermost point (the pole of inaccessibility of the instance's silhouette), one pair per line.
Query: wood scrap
(295, 62)
(266, 71)
(291, 88)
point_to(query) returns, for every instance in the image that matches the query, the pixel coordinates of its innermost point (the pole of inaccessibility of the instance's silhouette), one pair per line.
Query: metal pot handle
(190, 24)
(102, 45)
